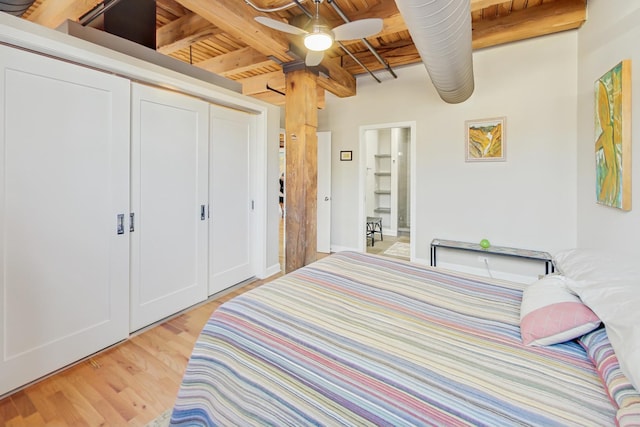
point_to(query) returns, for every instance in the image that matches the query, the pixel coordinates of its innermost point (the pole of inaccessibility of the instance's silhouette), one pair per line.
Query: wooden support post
(301, 123)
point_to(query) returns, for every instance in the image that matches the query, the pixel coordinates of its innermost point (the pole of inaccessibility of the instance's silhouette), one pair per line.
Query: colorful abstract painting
(613, 137)
(485, 140)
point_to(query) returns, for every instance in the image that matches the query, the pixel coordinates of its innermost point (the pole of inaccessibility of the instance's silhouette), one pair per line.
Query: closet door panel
(65, 159)
(230, 197)
(169, 174)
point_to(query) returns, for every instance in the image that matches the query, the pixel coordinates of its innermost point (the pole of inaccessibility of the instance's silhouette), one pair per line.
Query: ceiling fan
(318, 37)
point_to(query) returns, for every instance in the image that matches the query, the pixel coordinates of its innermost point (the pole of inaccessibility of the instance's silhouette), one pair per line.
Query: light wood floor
(379, 246)
(129, 384)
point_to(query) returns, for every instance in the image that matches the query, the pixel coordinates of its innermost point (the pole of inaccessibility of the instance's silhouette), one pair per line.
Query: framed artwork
(346, 156)
(485, 140)
(613, 137)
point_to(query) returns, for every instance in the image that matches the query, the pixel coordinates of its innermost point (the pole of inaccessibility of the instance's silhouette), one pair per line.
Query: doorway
(281, 200)
(387, 190)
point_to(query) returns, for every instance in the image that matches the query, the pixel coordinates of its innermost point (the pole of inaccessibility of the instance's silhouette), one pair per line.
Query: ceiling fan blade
(313, 58)
(358, 29)
(280, 26)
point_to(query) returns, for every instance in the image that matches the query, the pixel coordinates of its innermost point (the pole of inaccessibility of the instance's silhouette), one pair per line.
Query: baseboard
(422, 261)
(270, 271)
(336, 248)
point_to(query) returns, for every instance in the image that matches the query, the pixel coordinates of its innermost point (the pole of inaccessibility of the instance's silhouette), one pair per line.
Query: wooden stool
(374, 225)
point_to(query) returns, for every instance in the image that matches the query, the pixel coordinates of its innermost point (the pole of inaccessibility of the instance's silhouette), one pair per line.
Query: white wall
(528, 201)
(610, 35)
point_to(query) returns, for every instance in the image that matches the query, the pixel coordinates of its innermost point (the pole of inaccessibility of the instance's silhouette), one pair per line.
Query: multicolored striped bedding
(356, 340)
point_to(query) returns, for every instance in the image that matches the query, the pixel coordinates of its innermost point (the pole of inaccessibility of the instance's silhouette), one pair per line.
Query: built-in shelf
(382, 183)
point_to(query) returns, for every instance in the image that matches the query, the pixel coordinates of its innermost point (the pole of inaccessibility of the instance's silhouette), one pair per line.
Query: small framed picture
(485, 140)
(346, 156)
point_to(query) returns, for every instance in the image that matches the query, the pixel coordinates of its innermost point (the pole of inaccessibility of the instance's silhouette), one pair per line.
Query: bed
(357, 339)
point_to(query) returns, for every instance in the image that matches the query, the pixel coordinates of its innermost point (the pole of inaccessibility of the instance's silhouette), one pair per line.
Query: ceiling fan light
(318, 41)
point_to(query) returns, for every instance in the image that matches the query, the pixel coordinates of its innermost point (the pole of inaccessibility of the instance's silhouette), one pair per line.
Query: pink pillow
(551, 313)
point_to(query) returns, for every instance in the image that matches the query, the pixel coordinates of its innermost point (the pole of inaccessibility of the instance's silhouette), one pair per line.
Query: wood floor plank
(8, 411)
(23, 404)
(39, 393)
(31, 420)
(110, 416)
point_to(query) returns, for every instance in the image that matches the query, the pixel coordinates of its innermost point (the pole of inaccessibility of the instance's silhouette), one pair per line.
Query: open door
(324, 192)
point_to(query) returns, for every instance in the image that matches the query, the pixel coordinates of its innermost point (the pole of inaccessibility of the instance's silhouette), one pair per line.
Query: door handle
(132, 227)
(326, 198)
(120, 224)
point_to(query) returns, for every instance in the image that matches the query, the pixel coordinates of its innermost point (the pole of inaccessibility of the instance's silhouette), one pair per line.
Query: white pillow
(617, 304)
(610, 285)
(595, 264)
(551, 313)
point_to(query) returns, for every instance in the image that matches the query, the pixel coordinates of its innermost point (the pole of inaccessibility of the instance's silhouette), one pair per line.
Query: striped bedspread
(355, 340)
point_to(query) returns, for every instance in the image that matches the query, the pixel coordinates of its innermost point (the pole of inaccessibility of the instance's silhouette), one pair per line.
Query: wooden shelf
(382, 210)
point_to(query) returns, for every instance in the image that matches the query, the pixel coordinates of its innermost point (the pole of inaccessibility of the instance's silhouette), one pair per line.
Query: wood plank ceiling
(221, 36)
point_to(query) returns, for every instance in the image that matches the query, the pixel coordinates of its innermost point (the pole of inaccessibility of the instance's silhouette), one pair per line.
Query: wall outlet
(483, 259)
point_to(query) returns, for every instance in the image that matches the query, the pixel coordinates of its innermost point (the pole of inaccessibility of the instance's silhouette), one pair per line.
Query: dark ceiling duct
(133, 20)
(15, 7)
(441, 31)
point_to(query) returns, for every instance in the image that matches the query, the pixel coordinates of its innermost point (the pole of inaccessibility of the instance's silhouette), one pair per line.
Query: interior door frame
(362, 215)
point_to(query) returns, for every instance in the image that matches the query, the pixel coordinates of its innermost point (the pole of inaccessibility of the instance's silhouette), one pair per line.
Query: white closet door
(169, 188)
(64, 154)
(230, 197)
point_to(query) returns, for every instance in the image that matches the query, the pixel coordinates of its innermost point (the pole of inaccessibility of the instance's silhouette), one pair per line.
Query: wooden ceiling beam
(548, 18)
(279, 99)
(392, 21)
(271, 97)
(261, 83)
(339, 81)
(237, 19)
(481, 4)
(264, 85)
(183, 32)
(235, 62)
(52, 13)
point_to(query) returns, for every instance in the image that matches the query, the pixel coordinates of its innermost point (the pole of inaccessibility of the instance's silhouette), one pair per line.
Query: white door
(324, 192)
(231, 205)
(64, 156)
(168, 195)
